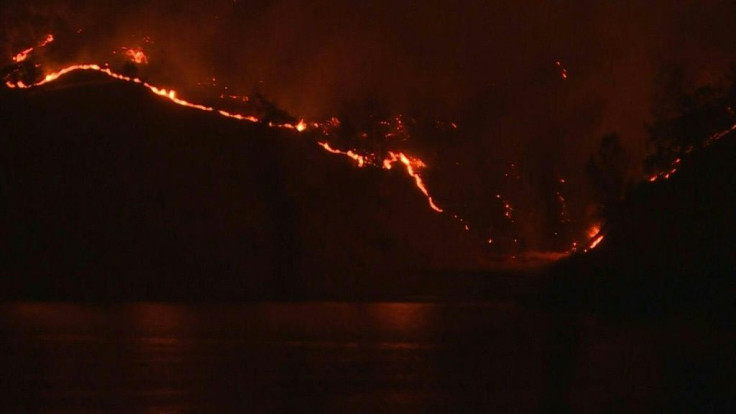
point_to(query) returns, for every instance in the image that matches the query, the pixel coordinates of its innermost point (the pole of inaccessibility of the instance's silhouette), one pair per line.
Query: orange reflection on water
(403, 317)
(157, 319)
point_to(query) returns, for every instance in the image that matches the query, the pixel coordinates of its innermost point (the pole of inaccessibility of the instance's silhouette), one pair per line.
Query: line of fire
(375, 147)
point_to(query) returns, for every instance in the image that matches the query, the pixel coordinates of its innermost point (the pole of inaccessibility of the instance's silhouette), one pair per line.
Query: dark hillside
(108, 191)
(670, 246)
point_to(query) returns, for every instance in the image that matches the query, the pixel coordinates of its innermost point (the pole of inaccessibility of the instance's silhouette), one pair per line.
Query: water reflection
(404, 318)
(259, 357)
(321, 357)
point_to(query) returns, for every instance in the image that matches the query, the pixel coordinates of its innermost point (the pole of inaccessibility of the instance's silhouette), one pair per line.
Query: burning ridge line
(677, 161)
(411, 164)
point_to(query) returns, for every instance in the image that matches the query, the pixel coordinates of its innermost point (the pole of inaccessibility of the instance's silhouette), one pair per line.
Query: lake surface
(347, 357)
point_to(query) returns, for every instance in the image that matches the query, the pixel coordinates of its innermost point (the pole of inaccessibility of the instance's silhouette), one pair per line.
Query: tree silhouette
(607, 169)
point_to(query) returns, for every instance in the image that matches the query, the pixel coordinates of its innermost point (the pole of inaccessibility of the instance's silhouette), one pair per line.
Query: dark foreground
(353, 357)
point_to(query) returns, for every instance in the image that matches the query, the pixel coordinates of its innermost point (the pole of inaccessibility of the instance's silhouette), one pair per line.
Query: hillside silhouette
(669, 247)
(109, 192)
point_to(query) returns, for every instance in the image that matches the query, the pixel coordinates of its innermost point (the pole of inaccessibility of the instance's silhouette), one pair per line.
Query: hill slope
(670, 247)
(111, 192)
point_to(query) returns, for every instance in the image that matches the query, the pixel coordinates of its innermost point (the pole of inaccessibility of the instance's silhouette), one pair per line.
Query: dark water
(348, 357)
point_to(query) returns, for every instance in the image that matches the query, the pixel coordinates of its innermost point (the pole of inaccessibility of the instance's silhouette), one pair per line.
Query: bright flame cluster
(23, 55)
(136, 55)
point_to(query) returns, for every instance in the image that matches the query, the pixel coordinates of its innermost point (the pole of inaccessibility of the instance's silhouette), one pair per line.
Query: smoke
(489, 67)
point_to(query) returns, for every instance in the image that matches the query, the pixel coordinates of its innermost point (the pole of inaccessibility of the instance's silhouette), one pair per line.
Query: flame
(238, 116)
(411, 164)
(677, 161)
(23, 55)
(301, 126)
(392, 129)
(595, 237)
(359, 159)
(136, 55)
(49, 39)
(594, 230)
(595, 242)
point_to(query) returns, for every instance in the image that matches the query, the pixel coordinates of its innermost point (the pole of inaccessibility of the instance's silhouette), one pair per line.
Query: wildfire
(718, 135)
(594, 230)
(595, 242)
(676, 163)
(667, 174)
(23, 55)
(359, 159)
(595, 237)
(411, 164)
(136, 55)
(395, 129)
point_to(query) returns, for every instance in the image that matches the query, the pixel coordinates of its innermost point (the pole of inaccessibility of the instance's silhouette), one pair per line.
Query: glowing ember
(718, 135)
(507, 208)
(563, 70)
(677, 161)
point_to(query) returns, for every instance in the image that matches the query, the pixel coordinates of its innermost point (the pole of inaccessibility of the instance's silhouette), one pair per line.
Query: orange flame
(359, 159)
(136, 56)
(594, 230)
(595, 242)
(411, 164)
(23, 55)
(301, 126)
(595, 237)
